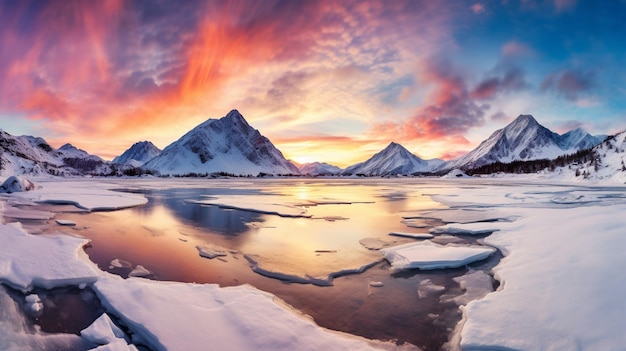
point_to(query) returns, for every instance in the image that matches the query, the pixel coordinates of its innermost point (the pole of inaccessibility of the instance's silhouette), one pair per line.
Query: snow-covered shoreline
(559, 279)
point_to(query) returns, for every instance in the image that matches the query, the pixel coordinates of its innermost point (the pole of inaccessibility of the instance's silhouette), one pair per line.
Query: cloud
(448, 111)
(478, 8)
(570, 84)
(516, 49)
(512, 80)
(564, 5)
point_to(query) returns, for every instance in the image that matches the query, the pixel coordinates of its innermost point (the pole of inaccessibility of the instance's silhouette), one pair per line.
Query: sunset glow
(328, 81)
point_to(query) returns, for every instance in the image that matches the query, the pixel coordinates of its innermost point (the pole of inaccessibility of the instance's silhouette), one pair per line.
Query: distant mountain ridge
(33, 155)
(138, 154)
(229, 145)
(524, 139)
(319, 168)
(395, 159)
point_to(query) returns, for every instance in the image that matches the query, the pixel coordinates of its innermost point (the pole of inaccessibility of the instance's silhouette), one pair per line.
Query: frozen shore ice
(167, 316)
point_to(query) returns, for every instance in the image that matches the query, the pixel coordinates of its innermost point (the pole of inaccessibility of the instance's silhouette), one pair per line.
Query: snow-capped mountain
(319, 168)
(606, 161)
(395, 159)
(228, 144)
(578, 139)
(138, 154)
(34, 156)
(524, 139)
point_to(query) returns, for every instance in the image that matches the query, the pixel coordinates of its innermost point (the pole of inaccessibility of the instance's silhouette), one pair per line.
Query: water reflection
(162, 236)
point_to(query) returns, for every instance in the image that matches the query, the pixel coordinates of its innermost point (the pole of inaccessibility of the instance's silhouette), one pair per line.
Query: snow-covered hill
(138, 154)
(34, 156)
(395, 159)
(524, 139)
(227, 145)
(319, 168)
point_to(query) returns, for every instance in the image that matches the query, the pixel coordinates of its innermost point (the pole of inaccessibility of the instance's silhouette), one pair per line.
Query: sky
(332, 81)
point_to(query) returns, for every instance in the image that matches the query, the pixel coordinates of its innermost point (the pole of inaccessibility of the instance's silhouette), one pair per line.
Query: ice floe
(85, 194)
(65, 222)
(412, 235)
(428, 255)
(25, 214)
(167, 316)
(374, 243)
(479, 228)
(306, 279)
(211, 251)
(264, 204)
(55, 260)
(139, 271)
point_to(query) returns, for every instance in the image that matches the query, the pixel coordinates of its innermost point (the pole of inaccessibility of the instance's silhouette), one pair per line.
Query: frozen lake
(319, 244)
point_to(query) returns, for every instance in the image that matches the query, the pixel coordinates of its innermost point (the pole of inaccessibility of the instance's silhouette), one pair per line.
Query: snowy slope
(393, 160)
(607, 162)
(524, 139)
(228, 145)
(138, 154)
(319, 168)
(34, 156)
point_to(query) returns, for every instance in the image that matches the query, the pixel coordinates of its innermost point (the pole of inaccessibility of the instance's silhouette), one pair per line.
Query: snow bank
(561, 284)
(15, 184)
(181, 316)
(27, 260)
(428, 255)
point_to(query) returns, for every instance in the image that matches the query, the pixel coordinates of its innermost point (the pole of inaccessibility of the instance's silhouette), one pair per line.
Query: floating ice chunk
(119, 263)
(17, 333)
(427, 287)
(478, 228)
(428, 255)
(16, 184)
(102, 331)
(412, 235)
(139, 271)
(65, 222)
(59, 259)
(377, 284)
(477, 284)
(211, 251)
(415, 223)
(307, 279)
(34, 303)
(374, 243)
(240, 318)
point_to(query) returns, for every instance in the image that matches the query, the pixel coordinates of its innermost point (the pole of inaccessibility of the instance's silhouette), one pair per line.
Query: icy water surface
(305, 231)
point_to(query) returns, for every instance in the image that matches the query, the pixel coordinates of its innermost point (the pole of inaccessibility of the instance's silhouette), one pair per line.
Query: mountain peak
(392, 160)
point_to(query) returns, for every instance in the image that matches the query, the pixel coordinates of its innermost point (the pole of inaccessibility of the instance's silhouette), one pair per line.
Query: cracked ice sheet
(90, 194)
(561, 286)
(182, 316)
(44, 261)
(428, 255)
